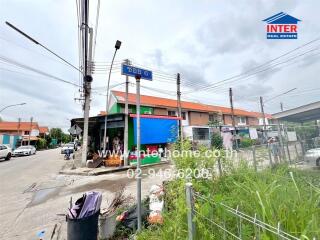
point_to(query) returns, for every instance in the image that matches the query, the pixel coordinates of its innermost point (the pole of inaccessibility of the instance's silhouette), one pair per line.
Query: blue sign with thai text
(134, 71)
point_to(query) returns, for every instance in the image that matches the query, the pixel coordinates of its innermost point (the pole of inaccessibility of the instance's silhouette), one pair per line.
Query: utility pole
(180, 131)
(138, 77)
(281, 107)
(232, 116)
(19, 132)
(31, 119)
(126, 119)
(264, 117)
(87, 78)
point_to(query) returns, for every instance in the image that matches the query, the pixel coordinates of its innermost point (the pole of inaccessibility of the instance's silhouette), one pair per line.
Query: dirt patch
(108, 185)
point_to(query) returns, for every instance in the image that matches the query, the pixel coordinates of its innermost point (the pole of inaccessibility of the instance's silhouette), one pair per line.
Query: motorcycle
(67, 155)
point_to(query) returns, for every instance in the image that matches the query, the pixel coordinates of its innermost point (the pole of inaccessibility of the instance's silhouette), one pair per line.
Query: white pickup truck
(5, 152)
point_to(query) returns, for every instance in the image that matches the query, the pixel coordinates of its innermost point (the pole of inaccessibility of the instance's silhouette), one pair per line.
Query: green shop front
(156, 132)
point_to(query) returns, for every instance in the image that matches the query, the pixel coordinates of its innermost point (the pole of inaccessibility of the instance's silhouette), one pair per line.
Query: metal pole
(126, 120)
(107, 105)
(232, 116)
(264, 118)
(180, 132)
(138, 155)
(190, 213)
(281, 107)
(30, 130)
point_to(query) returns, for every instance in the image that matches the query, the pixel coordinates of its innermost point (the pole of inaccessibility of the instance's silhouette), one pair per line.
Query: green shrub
(216, 141)
(246, 142)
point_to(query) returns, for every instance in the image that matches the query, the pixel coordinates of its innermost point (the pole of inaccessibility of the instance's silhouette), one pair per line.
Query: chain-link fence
(246, 227)
(296, 153)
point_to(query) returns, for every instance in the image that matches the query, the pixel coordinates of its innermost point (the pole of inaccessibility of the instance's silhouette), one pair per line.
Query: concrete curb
(107, 171)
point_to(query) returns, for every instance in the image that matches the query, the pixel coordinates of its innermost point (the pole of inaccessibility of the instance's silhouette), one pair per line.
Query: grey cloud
(250, 92)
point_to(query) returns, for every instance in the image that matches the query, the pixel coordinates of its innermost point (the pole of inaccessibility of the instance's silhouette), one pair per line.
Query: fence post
(297, 154)
(270, 156)
(190, 214)
(219, 167)
(288, 150)
(302, 149)
(254, 158)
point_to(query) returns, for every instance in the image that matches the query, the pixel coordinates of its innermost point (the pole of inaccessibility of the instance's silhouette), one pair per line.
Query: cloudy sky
(207, 42)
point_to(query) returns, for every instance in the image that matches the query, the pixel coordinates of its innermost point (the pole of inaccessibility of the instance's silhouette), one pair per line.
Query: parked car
(5, 152)
(75, 145)
(313, 156)
(69, 146)
(24, 151)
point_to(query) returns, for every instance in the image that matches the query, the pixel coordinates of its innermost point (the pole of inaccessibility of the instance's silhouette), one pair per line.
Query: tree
(42, 143)
(57, 133)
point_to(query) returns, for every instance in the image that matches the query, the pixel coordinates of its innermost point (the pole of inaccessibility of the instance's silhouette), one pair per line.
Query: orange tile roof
(43, 129)
(171, 103)
(14, 126)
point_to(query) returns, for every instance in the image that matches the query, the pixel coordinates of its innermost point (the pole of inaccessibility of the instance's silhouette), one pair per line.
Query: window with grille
(200, 133)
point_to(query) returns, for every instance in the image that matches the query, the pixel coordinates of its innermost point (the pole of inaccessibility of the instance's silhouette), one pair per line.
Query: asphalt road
(34, 197)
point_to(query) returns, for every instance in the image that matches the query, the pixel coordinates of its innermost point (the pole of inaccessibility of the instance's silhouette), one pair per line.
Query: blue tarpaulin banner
(156, 130)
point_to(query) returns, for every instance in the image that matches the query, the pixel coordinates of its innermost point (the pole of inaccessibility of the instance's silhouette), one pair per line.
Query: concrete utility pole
(180, 131)
(126, 119)
(31, 119)
(19, 128)
(232, 116)
(87, 78)
(264, 117)
(138, 77)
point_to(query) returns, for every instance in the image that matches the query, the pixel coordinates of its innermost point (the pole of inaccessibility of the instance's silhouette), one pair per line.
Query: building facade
(197, 119)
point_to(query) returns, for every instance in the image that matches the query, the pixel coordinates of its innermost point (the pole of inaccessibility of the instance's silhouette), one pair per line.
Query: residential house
(43, 131)
(19, 133)
(197, 117)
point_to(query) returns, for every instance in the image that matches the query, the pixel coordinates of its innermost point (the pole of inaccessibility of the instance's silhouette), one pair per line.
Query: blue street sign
(133, 71)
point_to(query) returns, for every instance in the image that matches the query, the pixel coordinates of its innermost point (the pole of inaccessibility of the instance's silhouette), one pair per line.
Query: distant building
(18, 133)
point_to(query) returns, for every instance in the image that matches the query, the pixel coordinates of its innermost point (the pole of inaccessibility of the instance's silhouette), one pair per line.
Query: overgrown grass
(280, 195)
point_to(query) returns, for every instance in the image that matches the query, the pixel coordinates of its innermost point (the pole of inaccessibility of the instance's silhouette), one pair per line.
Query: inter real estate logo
(282, 26)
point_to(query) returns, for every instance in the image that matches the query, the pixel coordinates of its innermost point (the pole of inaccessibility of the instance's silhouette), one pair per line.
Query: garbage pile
(156, 203)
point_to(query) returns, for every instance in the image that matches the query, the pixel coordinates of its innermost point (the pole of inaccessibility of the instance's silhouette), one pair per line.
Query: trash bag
(129, 218)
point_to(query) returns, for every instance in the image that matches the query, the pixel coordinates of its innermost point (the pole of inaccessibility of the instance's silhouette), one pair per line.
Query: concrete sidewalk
(84, 171)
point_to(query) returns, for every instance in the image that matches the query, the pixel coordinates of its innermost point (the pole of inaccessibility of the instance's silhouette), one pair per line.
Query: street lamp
(13, 105)
(117, 47)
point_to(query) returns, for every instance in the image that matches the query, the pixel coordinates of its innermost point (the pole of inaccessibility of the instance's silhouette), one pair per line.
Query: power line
(245, 76)
(15, 63)
(259, 66)
(96, 29)
(38, 43)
